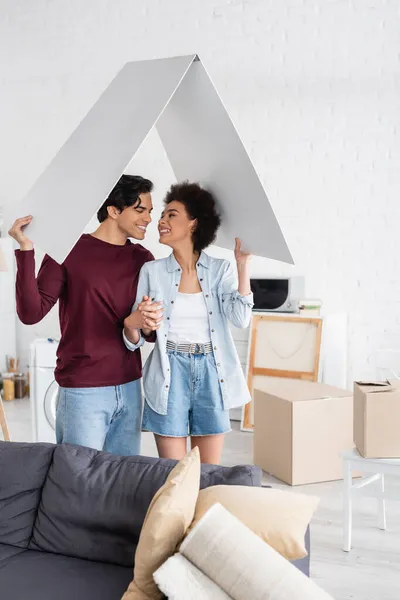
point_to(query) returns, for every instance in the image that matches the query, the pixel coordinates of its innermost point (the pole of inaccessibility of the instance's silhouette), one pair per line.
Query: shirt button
(201, 280)
(222, 381)
(172, 301)
(210, 312)
(206, 295)
(166, 386)
(218, 364)
(178, 269)
(212, 330)
(215, 347)
(176, 285)
(167, 318)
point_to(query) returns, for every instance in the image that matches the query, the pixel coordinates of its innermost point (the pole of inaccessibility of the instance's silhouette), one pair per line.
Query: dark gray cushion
(93, 503)
(40, 576)
(23, 470)
(7, 552)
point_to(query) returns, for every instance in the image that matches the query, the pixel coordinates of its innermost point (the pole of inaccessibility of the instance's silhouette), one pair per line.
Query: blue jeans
(195, 405)
(105, 418)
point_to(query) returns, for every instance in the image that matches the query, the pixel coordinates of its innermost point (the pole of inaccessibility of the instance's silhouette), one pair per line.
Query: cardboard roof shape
(178, 97)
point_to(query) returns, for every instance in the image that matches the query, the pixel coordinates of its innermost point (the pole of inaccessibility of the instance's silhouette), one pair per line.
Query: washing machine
(44, 389)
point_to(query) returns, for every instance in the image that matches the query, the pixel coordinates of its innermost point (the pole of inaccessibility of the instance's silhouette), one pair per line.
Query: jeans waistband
(190, 348)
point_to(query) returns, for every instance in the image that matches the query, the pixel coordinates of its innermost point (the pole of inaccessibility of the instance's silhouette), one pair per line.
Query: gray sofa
(70, 518)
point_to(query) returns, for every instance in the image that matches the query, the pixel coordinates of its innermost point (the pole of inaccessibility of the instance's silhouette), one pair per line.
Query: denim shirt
(160, 279)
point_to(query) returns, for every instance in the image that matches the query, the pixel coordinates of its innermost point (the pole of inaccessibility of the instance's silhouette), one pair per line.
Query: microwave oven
(277, 294)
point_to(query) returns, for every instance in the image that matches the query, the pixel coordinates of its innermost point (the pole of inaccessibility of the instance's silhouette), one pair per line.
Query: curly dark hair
(201, 205)
(125, 193)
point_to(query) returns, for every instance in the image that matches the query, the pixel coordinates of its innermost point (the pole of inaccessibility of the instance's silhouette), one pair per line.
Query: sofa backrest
(23, 471)
(92, 504)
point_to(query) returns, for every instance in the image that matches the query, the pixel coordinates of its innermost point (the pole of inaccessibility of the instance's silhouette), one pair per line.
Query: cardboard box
(301, 428)
(377, 419)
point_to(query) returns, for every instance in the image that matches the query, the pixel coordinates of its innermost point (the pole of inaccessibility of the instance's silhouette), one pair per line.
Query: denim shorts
(195, 405)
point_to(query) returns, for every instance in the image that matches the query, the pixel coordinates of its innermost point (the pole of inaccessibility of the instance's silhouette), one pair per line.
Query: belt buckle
(197, 348)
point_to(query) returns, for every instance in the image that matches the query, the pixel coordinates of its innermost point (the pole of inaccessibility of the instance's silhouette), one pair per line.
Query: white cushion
(179, 579)
(242, 564)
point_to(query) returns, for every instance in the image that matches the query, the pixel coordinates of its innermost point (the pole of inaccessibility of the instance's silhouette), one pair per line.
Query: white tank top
(189, 320)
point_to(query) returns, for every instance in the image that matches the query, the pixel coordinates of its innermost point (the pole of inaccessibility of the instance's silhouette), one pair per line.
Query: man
(99, 402)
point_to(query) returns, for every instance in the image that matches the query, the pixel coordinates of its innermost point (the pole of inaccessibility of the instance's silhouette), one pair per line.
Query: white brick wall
(312, 87)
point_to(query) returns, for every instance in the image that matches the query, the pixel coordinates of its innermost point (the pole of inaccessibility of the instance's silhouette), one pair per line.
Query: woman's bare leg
(171, 447)
(210, 447)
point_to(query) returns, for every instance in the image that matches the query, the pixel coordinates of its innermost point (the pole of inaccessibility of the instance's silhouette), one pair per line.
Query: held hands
(152, 314)
(242, 257)
(147, 317)
(17, 233)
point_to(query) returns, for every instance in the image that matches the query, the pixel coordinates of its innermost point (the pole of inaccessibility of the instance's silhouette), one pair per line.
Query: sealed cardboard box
(377, 419)
(301, 428)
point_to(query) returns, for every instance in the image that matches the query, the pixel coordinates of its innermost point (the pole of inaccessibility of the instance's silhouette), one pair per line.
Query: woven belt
(190, 348)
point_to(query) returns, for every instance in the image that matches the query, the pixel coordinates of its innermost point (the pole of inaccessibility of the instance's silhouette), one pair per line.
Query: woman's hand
(152, 315)
(242, 257)
(243, 266)
(147, 317)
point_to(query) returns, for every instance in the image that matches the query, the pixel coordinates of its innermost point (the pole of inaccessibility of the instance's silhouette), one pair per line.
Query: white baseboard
(236, 414)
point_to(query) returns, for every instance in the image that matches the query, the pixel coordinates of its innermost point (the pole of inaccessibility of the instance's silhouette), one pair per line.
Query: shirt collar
(173, 265)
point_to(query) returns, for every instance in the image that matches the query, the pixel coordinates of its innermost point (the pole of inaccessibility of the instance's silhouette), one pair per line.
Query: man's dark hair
(201, 205)
(125, 193)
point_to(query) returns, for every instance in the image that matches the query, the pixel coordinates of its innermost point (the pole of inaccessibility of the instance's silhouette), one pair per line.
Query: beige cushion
(167, 520)
(134, 593)
(279, 518)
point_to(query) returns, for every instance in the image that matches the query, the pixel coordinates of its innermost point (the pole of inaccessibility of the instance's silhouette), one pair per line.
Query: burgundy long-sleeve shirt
(96, 288)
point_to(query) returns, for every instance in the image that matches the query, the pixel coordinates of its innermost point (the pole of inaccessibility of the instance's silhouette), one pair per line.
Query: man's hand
(17, 233)
(147, 317)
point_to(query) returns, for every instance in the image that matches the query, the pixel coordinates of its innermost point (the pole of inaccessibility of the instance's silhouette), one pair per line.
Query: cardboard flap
(298, 390)
(376, 387)
(373, 383)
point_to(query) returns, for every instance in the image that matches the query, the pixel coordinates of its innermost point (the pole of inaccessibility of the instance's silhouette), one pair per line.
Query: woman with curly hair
(193, 376)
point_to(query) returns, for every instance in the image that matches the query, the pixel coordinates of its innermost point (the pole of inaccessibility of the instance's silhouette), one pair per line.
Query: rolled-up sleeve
(237, 308)
(130, 345)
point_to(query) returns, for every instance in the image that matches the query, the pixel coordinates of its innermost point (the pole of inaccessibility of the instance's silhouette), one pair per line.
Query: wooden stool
(3, 422)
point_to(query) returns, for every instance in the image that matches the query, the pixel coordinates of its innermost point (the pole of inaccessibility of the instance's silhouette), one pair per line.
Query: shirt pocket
(216, 302)
(156, 295)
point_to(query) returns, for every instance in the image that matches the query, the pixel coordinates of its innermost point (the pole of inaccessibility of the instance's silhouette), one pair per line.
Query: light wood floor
(371, 571)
